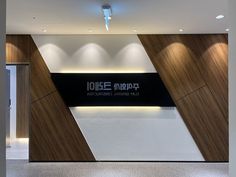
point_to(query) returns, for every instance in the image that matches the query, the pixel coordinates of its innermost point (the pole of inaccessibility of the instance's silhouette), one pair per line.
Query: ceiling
(129, 16)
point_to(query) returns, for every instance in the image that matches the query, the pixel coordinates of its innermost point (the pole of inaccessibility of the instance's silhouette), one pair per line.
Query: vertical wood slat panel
(55, 135)
(194, 70)
(174, 63)
(17, 49)
(206, 124)
(212, 60)
(23, 99)
(41, 82)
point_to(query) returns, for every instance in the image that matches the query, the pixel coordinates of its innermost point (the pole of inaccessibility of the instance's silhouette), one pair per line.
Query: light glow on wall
(120, 108)
(94, 54)
(104, 71)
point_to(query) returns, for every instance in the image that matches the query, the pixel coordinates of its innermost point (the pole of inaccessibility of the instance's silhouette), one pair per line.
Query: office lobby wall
(124, 134)
(44, 96)
(194, 69)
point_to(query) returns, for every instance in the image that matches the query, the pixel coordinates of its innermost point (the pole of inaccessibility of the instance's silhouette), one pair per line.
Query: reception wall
(128, 134)
(52, 122)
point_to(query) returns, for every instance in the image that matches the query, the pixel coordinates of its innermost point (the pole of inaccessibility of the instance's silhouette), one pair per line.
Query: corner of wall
(2, 89)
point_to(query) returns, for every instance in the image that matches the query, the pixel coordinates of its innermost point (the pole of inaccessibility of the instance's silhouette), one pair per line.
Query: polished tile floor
(21, 168)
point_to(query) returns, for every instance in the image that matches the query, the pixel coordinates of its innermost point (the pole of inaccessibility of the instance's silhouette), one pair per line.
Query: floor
(21, 168)
(18, 166)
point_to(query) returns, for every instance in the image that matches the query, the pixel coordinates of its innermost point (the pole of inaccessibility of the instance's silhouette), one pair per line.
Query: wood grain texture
(212, 60)
(210, 128)
(55, 135)
(194, 70)
(41, 83)
(174, 63)
(17, 49)
(23, 101)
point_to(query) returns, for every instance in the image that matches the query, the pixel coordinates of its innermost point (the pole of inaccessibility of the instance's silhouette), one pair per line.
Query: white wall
(94, 53)
(148, 134)
(118, 133)
(12, 69)
(232, 88)
(2, 88)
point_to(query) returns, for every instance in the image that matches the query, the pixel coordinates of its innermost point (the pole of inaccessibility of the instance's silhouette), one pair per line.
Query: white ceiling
(146, 16)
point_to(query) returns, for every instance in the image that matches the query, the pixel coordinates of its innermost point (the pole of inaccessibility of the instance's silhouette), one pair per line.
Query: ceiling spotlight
(181, 30)
(44, 30)
(220, 17)
(107, 15)
(227, 29)
(90, 30)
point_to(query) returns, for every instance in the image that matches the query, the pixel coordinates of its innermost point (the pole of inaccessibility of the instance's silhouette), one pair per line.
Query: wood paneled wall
(23, 98)
(17, 49)
(194, 70)
(54, 134)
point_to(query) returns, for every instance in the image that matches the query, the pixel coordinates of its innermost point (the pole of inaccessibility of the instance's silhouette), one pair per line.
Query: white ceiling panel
(146, 16)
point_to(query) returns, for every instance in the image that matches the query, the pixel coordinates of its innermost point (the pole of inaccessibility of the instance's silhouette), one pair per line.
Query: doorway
(17, 122)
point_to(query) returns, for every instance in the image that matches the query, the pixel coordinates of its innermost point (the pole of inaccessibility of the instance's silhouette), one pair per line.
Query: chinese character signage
(144, 89)
(112, 89)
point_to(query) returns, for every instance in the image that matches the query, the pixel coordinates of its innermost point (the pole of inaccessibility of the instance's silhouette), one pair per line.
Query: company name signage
(108, 88)
(144, 89)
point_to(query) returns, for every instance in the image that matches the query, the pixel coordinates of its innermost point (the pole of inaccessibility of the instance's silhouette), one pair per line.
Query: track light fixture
(107, 15)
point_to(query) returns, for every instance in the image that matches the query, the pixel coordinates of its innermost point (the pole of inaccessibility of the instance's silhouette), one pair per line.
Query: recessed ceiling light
(227, 29)
(134, 30)
(90, 30)
(44, 30)
(220, 17)
(181, 30)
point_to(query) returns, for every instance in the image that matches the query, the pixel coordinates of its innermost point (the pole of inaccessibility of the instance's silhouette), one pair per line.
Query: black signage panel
(144, 89)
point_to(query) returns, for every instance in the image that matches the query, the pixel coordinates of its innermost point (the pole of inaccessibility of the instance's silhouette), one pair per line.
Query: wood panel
(210, 128)
(55, 135)
(53, 131)
(174, 62)
(23, 99)
(212, 60)
(41, 82)
(17, 49)
(194, 70)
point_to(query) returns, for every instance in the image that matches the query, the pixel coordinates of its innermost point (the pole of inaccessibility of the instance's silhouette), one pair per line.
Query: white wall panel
(94, 53)
(138, 133)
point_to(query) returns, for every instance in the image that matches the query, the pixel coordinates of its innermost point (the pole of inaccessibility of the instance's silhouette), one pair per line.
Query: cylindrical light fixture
(107, 12)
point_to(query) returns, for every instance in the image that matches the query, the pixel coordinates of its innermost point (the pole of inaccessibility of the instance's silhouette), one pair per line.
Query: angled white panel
(96, 53)
(136, 134)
